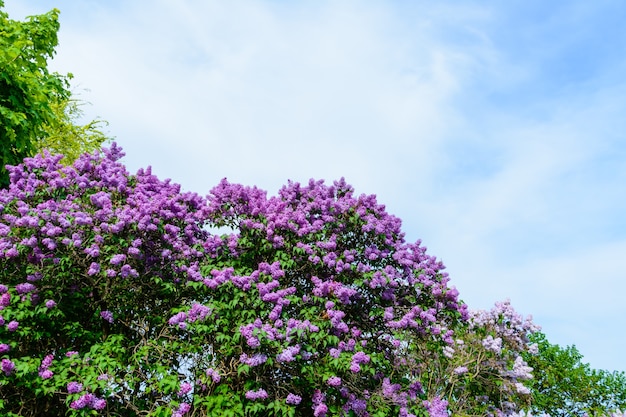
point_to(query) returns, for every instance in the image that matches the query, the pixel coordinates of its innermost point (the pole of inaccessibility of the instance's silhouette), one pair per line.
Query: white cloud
(508, 165)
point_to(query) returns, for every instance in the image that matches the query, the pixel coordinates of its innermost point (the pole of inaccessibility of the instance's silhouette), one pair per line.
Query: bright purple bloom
(13, 325)
(74, 387)
(4, 348)
(293, 399)
(94, 268)
(98, 403)
(259, 394)
(5, 300)
(118, 259)
(25, 288)
(46, 374)
(7, 366)
(185, 388)
(334, 381)
(320, 410)
(437, 407)
(50, 304)
(107, 315)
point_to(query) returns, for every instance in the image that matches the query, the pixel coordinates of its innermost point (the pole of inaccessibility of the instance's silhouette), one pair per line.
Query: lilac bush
(483, 372)
(118, 299)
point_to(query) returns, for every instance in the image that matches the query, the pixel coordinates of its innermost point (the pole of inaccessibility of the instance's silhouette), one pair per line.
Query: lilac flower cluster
(44, 372)
(259, 394)
(86, 400)
(197, 312)
(489, 353)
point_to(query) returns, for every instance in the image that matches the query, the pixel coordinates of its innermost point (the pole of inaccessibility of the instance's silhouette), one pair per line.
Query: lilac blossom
(74, 387)
(259, 394)
(107, 316)
(7, 366)
(293, 399)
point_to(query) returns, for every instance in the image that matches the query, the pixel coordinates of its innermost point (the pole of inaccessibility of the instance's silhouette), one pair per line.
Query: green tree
(28, 91)
(564, 385)
(36, 108)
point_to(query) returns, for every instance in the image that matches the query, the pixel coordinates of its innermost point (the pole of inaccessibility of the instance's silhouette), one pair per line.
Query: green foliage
(566, 386)
(36, 111)
(28, 90)
(66, 136)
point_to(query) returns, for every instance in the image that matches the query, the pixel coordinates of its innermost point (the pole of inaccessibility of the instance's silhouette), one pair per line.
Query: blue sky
(495, 130)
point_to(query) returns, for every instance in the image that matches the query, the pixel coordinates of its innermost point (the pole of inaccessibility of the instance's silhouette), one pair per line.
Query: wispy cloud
(494, 131)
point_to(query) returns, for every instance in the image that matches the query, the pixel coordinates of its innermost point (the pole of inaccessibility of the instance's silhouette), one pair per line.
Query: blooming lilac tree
(117, 299)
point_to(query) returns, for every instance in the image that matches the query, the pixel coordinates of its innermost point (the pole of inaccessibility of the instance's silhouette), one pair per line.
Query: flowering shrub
(483, 372)
(117, 299)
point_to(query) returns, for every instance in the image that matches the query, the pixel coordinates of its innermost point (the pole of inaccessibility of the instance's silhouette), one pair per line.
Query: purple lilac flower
(13, 325)
(25, 288)
(293, 399)
(50, 304)
(84, 401)
(98, 403)
(118, 259)
(437, 407)
(320, 410)
(46, 374)
(185, 388)
(254, 360)
(198, 312)
(7, 366)
(71, 353)
(4, 348)
(94, 268)
(107, 315)
(259, 394)
(74, 387)
(5, 300)
(183, 409)
(460, 370)
(214, 375)
(47, 361)
(3, 288)
(334, 381)
(288, 354)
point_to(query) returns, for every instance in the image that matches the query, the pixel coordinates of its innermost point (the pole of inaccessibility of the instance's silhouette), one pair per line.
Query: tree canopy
(112, 283)
(36, 108)
(566, 386)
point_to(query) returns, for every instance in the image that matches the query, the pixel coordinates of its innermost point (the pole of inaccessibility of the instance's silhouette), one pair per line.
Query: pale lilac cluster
(492, 348)
(7, 366)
